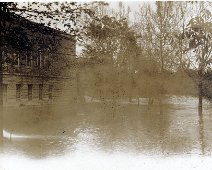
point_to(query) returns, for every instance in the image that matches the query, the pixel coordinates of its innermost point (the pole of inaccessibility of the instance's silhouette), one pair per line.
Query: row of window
(30, 91)
(28, 59)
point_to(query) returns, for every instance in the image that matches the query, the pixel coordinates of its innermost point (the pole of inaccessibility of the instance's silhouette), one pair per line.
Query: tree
(197, 53)
(154, 26)
(111, 41)
(102, 45)
(127, 62)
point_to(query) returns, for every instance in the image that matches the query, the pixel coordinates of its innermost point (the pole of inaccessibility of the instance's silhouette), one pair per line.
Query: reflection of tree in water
(201, 133)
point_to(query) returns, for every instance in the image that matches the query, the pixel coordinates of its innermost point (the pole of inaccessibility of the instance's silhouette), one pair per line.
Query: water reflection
(201, 134)
(108, 127)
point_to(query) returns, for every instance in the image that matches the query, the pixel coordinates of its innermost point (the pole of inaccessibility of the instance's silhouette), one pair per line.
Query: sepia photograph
(105, 85)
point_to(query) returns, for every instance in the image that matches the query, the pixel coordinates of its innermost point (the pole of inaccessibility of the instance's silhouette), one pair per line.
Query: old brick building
(35, 62)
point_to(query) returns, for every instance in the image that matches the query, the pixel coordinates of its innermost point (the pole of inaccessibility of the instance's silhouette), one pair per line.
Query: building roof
(37, 27)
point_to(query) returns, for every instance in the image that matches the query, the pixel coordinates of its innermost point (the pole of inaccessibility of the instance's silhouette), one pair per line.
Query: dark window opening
(16, 59)
(34, 60)
(18, 91)
(23, 59)
(29, 91)
(5, 92)
(50, 91)
(40, 91)
(29, 59)
(4, 57)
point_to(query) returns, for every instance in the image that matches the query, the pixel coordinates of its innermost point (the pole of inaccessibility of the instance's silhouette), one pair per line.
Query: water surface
(109, 135)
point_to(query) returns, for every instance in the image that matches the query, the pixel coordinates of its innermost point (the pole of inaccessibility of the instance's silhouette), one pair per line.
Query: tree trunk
(200, 98)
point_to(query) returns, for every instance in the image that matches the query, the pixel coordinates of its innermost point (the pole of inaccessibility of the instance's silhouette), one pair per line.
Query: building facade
(35, 63)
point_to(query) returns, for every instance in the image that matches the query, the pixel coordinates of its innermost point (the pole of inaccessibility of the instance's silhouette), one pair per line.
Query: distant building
(34, 62)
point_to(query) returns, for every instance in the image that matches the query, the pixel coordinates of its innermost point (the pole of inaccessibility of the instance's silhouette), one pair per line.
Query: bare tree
(154, 26)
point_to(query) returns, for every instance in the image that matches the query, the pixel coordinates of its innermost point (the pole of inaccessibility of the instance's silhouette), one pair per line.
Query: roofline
(43, 26)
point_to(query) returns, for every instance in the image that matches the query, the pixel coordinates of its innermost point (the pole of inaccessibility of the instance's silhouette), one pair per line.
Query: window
(29, 59)
(23, 58)
(16, 59)
(4, 56)
(35, 63)
(5, 92)
(40, 91)
(50, 91)
(8, 58)
(41, 60)
(18, 91)
(45, 58)
(29, 91)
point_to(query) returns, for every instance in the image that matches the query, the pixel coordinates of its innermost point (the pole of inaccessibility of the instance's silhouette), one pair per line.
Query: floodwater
(109, 136)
